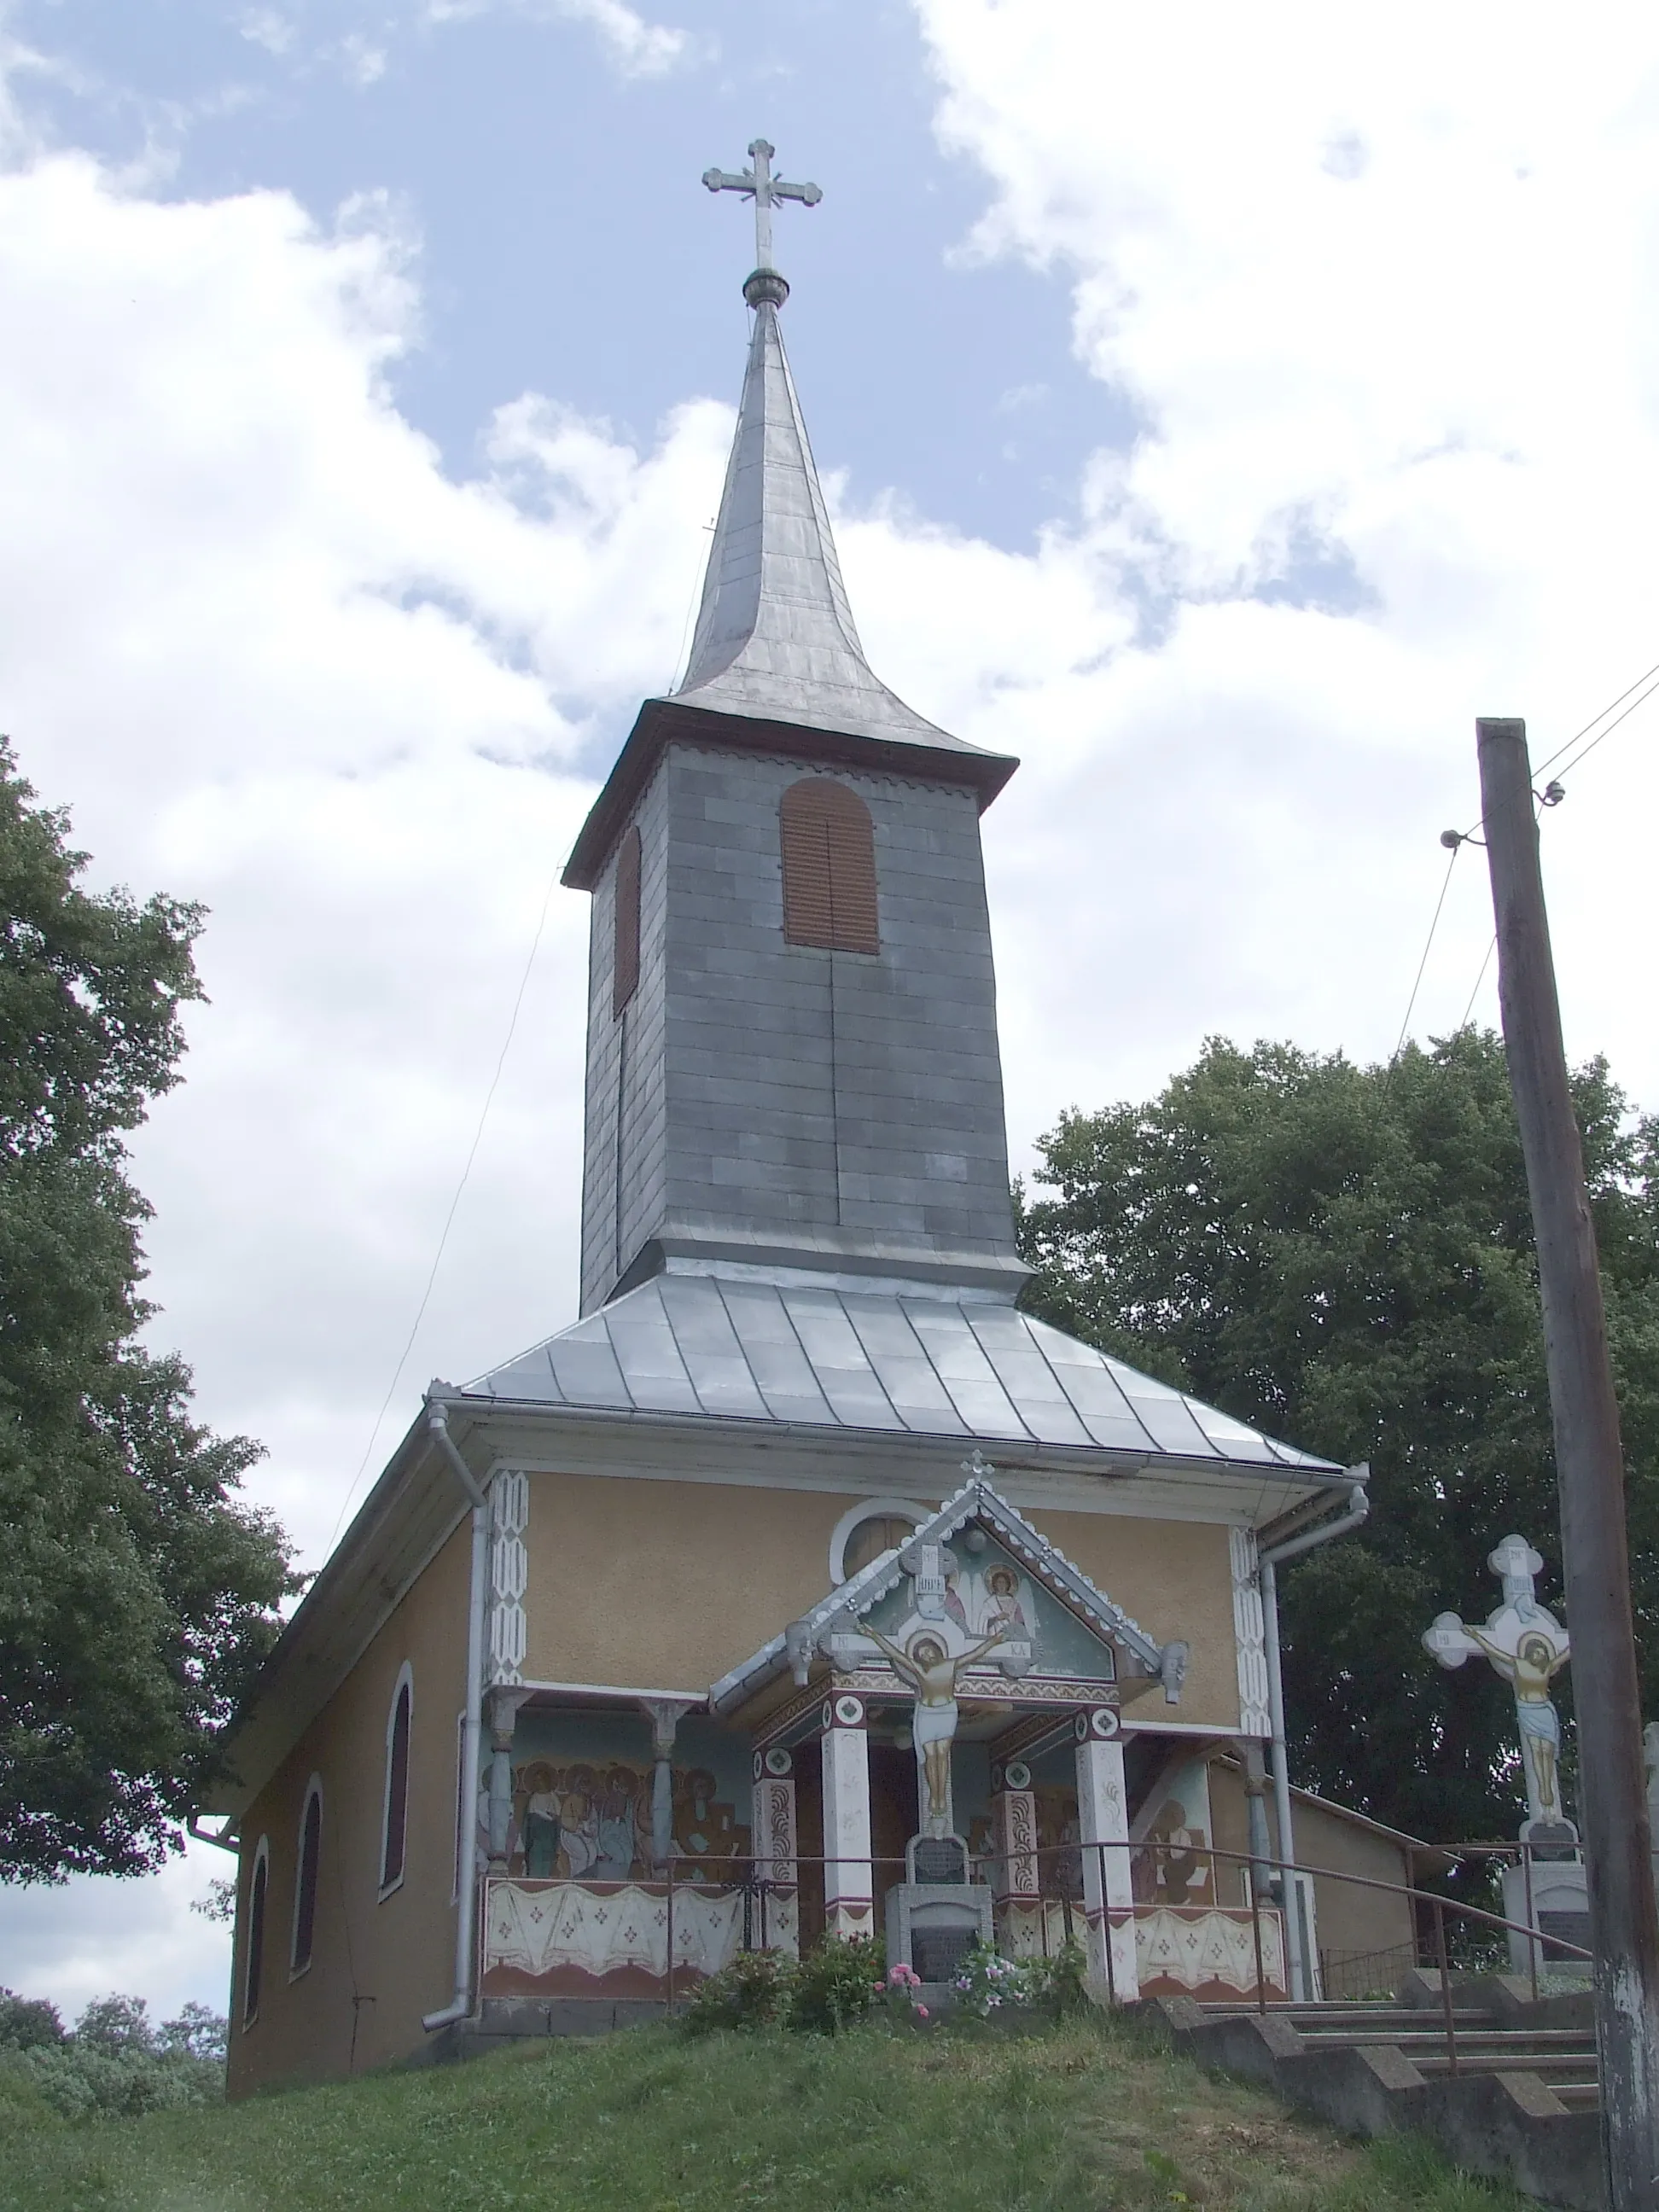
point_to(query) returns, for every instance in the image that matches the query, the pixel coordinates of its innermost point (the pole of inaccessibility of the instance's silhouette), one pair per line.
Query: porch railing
(752, 1906)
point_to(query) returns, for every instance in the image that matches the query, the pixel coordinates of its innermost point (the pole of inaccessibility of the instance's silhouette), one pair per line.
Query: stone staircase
(1518, 2102)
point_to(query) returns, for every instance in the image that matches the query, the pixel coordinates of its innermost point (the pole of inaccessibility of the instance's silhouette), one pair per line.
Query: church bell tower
(792, 1041)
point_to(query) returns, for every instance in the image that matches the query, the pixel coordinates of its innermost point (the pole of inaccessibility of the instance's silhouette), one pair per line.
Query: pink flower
(922, 2012)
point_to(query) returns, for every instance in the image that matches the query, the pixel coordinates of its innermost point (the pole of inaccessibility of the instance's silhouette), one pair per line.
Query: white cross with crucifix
(1527, 1646)
(759, 185)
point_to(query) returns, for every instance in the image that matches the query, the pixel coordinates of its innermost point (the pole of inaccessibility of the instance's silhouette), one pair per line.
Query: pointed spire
(775, 637)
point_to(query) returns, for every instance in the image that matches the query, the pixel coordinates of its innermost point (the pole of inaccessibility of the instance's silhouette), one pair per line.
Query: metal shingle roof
(776, 636)
(817, 1355)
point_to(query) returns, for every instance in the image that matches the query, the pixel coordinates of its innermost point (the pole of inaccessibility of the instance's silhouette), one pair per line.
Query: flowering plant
(903, 1985)
(985, 1981)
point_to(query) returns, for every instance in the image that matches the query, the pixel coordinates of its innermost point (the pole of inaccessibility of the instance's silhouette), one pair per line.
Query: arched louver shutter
(829, 868)
(625, 966)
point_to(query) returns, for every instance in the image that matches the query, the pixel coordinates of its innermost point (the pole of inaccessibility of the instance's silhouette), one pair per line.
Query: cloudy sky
(1222, 408)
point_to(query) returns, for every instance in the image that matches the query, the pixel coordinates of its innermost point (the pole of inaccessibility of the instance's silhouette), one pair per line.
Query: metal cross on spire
(759, 185)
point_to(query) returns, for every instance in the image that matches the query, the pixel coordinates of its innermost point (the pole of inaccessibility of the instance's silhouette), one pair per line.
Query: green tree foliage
(1343, 1256)
(136, 1595)
(114, 2063)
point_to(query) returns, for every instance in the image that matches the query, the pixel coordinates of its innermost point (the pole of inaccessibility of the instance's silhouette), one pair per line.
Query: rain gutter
(467, 1913)
(1268, 1562)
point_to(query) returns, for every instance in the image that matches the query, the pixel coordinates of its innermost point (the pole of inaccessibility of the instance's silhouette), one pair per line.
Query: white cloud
(140, 1938)
(360, 60)
(637, 47)
(1380, 291)
(276, 660)
(268, 27)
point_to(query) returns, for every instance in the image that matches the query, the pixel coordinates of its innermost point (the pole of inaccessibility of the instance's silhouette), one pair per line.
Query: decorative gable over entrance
(1023, 1624)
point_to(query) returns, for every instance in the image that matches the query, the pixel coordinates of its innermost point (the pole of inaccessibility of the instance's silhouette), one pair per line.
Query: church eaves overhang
(662, 722)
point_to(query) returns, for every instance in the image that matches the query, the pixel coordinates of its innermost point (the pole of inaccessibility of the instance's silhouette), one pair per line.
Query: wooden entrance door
(894, 1819)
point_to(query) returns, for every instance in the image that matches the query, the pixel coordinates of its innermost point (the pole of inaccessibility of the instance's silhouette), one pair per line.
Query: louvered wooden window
(625, 968)
(829, 868)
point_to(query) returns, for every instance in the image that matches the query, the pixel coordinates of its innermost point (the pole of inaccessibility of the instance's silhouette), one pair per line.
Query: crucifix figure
(930, 1672)
(759, 185)
(1528, 1646)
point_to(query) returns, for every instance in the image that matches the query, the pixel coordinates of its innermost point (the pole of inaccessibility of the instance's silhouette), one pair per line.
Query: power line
(1455, 839)
(1550, 758)
(1428, 947)
(1479, 980)
(1579, 757)
(1595, 719)
(454, 1204)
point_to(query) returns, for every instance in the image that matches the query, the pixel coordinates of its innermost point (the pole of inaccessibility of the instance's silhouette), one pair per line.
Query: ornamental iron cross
(759, 185)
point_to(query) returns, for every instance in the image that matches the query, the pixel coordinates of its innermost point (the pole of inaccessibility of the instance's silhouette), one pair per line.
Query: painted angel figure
(931, 1674)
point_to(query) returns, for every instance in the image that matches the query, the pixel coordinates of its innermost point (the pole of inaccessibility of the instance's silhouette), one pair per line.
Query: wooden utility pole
(1590, 1475)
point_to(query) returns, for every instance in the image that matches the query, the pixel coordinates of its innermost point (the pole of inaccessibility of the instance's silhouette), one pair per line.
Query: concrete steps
(1521, 2105)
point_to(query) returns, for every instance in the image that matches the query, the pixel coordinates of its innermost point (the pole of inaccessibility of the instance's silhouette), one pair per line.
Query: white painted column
(1102, 1804)
(848, 1902)
(773, 1847)
(665, 1715)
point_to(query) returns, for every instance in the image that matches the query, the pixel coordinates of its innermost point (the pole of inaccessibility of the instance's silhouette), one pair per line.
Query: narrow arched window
(625, 963)
(304, 1878)
(396, 1819)
(254, 1962)
(829, 868)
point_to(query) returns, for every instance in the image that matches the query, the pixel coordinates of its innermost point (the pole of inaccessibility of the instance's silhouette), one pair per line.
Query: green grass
(1085, 2117)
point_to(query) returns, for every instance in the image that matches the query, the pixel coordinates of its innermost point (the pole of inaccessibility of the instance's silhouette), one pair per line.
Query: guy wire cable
(1439, 907)
(454, 1203)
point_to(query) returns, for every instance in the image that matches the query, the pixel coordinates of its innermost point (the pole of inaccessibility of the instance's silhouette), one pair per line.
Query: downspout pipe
(460, 2005)
(1268, 1562)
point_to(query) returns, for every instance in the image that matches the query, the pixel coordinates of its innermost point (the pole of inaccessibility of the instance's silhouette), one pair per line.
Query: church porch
(614, 1829)
(635, 1846)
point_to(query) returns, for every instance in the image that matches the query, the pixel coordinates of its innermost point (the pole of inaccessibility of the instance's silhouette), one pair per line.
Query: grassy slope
(1082, 2116)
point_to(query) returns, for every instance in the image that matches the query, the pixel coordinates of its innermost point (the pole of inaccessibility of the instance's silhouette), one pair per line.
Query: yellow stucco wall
(1175, 1578)
(382, 1962)
(665, 1585)
(1349, 1919)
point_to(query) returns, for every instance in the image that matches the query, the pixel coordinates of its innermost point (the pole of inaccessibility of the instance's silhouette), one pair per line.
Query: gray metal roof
(775, 637)
(737, 1347)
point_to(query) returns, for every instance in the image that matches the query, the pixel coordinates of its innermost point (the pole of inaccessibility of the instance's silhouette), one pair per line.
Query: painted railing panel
(556, 1930)
(540, 1928)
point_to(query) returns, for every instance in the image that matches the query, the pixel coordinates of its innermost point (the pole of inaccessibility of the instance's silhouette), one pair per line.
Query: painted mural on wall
(590, 1821)
(1059, 1856)
(971, 1592)
(1180, 1871)
(1059, 1834)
